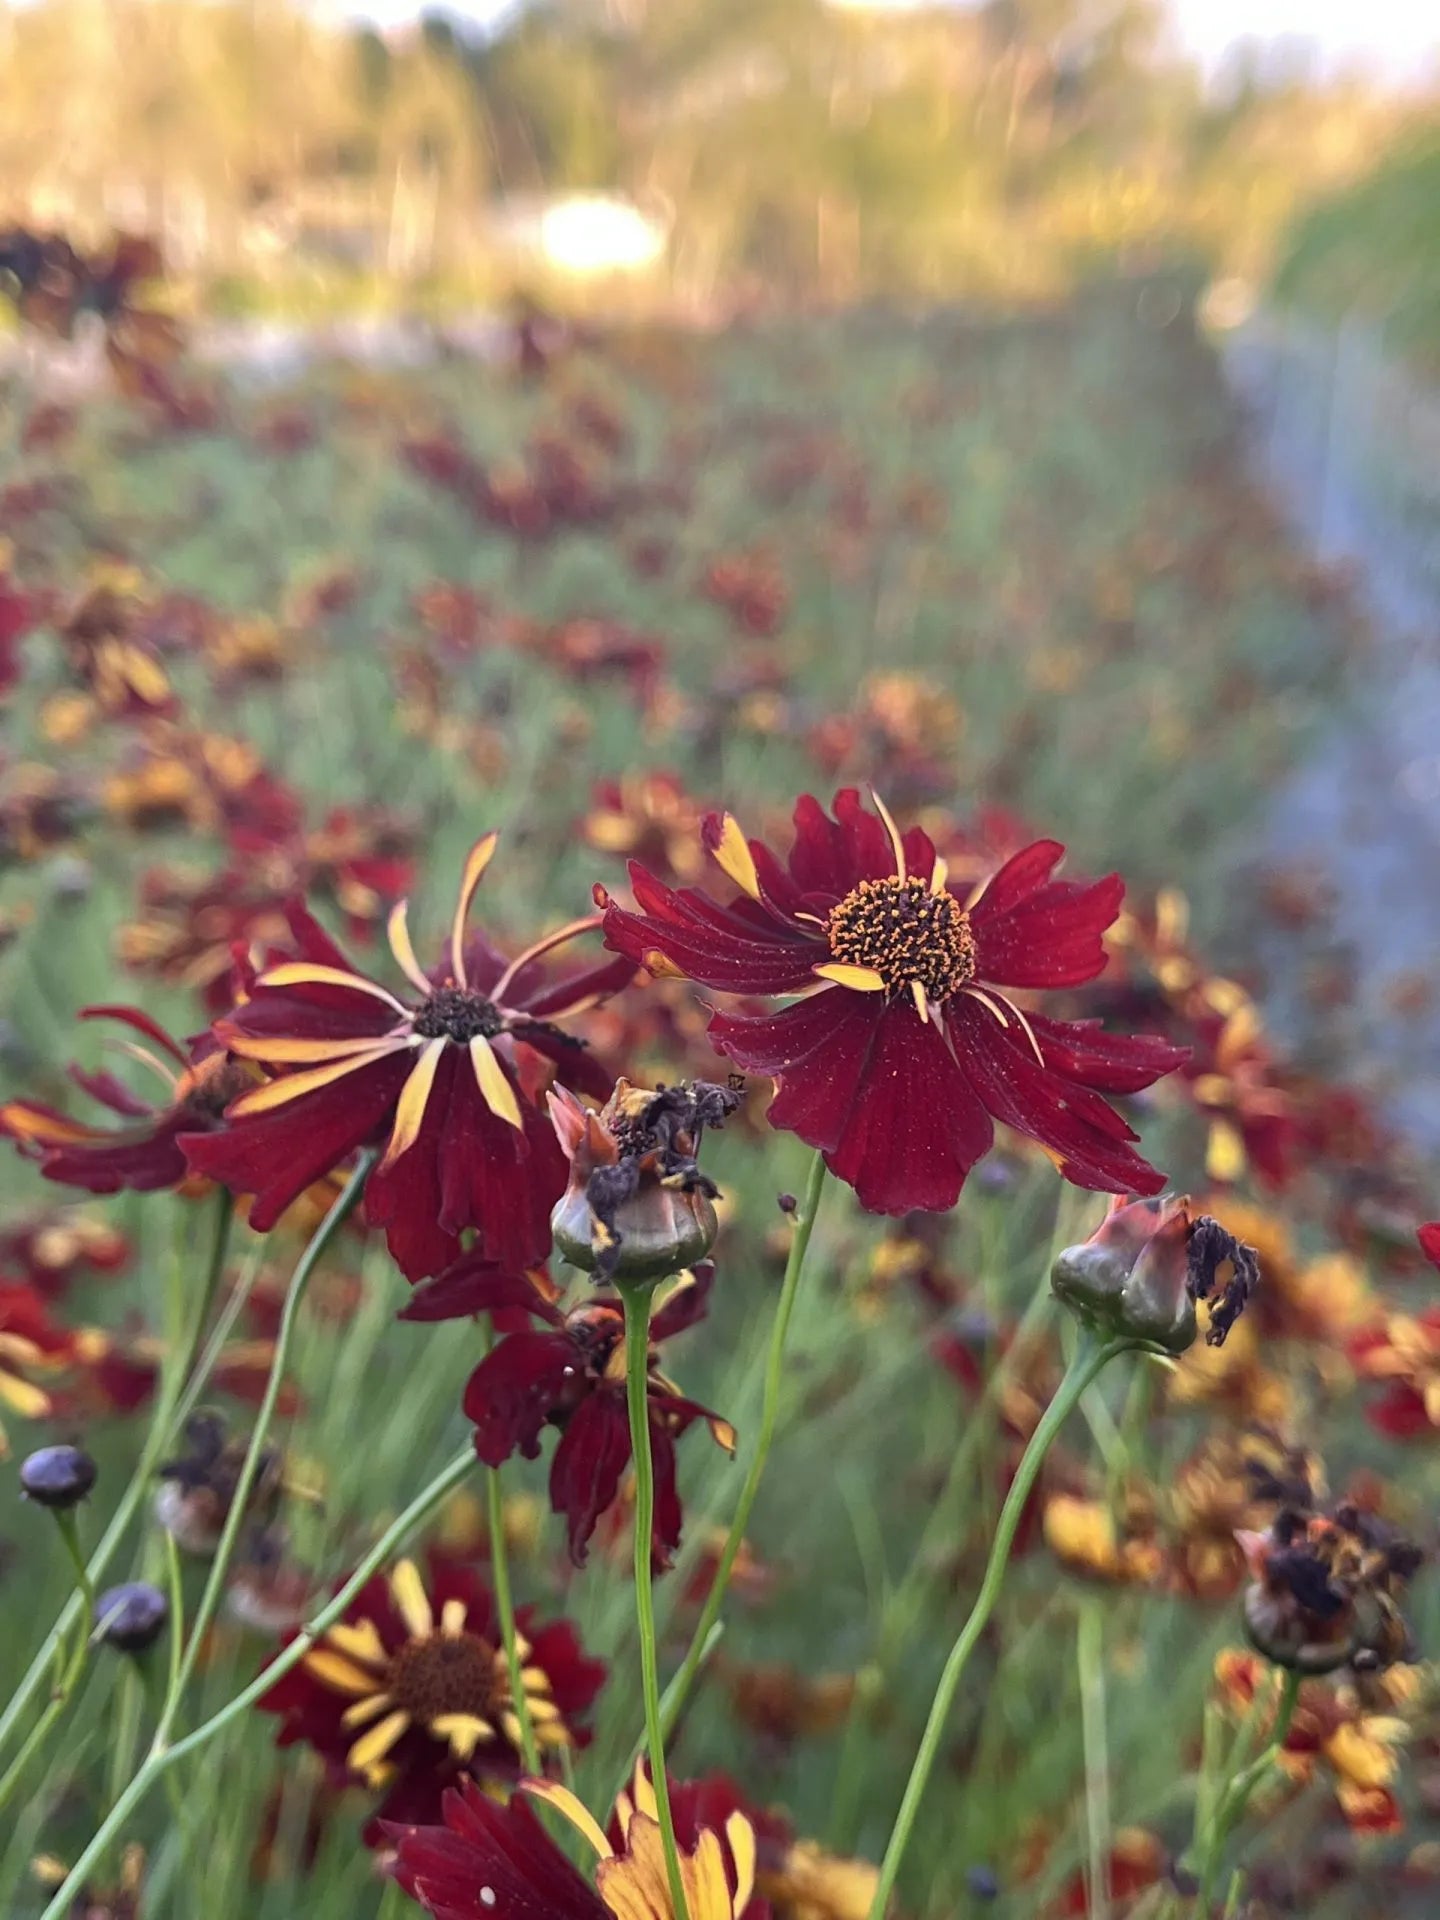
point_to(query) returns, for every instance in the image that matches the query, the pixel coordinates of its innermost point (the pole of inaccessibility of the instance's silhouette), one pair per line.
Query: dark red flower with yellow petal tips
(488, 1862)
(572, 1376)
(143, 1153)
(904, 1049)
(447, 1078)
(410, 1689)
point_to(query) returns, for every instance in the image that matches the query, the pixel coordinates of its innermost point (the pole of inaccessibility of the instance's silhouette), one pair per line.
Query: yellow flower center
(905, 933)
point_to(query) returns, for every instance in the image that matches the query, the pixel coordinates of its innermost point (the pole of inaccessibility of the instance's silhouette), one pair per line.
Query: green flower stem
(1235, 1798)
(156, 1442)
(1090, 1666)
(505, 1608)
(638, 1302)
(210, 1599)
(158, 1761)
(1086, 1362)
(701, 1640)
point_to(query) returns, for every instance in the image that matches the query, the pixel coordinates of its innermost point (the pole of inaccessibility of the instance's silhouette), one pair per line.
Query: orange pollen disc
(447, 1673)
(904, 932)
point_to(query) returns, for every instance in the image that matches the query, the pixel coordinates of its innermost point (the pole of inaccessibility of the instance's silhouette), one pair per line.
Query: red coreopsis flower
(447, 1078)
(903, 1048)
(1403, 1351)
(572, 1376)
(144, 1152)
(410, 1690)
(489, 1860)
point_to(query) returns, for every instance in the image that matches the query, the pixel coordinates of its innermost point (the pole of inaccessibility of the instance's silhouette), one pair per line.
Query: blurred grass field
(1012, 566)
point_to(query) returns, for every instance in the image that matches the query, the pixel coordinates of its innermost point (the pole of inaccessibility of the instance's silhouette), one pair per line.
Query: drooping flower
(143, 1154)
(1142, 1271)
(446, 1078)
(410, 1689)
(1325, 1590)
(488, 1860)
(904, 1047)
(572, 1376)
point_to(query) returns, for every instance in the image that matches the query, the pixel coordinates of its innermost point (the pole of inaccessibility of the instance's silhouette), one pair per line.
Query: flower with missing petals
(902, 1048)
(445, 1077)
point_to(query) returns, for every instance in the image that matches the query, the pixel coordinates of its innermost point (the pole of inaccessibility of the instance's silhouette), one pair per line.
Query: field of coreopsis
(644, 939)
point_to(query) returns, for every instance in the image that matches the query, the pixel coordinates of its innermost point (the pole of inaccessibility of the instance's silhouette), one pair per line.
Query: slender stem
(1236, 1796)
(157, 1761)
(700, 1640)
(339, 1213)
(156, 1441)
(1084, 1365)
(638, 1301)
(505, 1607)
(1090, 1664)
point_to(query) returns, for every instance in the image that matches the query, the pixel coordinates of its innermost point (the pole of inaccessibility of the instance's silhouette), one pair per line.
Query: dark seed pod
(57, 1477)
(132, 1617)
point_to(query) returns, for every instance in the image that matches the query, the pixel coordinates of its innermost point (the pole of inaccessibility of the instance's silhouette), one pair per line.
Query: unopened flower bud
(637, 1207)
(57, 1477)
(131, 1617)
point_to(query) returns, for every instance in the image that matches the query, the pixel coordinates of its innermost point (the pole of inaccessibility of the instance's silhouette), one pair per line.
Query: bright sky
(1402, 36)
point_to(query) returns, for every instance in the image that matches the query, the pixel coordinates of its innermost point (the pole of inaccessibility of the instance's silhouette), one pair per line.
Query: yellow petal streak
(481, 854)
(858, 979)
(575, 1811)
(408, 1590)
(733, 856)
(279, 1093)
(414, 1098)
(398, 930)
(495, 1089)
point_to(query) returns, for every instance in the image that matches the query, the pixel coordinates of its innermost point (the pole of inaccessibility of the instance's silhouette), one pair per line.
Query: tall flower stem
(1085, 1364)
(1236, 1795)
(159, 1760)
(156, 1441)
(638, 1301)
(343, 1206)
(700, 1641)
(505, 1608)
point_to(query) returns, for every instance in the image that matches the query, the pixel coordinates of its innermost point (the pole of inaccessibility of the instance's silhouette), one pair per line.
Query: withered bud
(1324, 1590)
(1141, 1272)
(638, 1207)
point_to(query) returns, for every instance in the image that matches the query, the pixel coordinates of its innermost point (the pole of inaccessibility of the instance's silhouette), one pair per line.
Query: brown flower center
(904, 932)
(454, 1013)
(206, 1089)
(446, 1673)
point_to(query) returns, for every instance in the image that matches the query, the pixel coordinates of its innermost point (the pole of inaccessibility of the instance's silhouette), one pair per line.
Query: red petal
(1052, 935)
(476, 1285)
(585, 1473)
(513, 1391)
(815, 1050)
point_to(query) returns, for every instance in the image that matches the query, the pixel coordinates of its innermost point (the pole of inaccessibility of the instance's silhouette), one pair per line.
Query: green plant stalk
(505, 1608)
(340, 1211)
(1236, 1796)
(679, 1690)
(157, 1762)
(156, 1442)
(1090, 1666)
(638, 1302)
(1085, 1364)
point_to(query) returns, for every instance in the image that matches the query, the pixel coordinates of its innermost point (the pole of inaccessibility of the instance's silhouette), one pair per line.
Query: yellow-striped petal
(287, 1052)
(301, 973)
(364, 1711)
(479, 858)
(463, 1731)
(408, 1590)
(452, 1619)
(741, 1838)
(896, 843)
(495, 1088)
(940, 878)
(917, 994)
(568, 1807)
(543, 945)
(294, 1086)
(339, 1674)
(375, 1744)
(24, 1397)
(858, 979)
(710, 1899)
(360, 1639)
(398, 930)
(414, 1098)
(733, 856)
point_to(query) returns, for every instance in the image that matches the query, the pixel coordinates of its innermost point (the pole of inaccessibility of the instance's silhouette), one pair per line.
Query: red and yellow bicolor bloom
(901, 1045)
(445, 1078)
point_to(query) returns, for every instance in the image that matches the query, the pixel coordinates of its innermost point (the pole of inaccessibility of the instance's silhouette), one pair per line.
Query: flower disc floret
(905, 932)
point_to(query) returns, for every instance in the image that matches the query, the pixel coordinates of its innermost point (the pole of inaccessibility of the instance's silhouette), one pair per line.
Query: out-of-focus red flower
(448, 1079)
(410, 1690)
(905, 1047)
(144, 1153)
(53, 1249)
